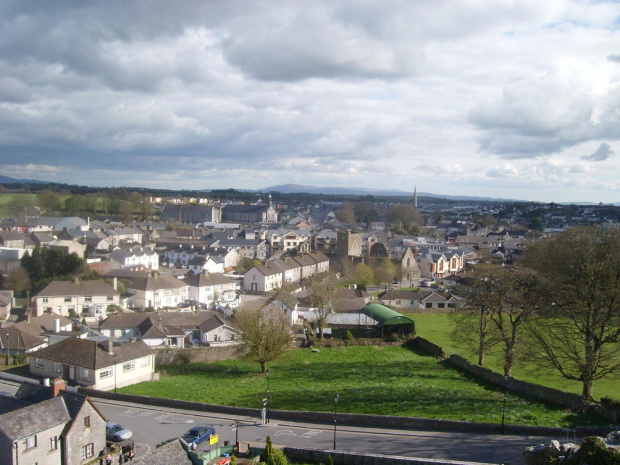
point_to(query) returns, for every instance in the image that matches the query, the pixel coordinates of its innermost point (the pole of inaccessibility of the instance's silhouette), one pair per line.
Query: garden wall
(350, 458)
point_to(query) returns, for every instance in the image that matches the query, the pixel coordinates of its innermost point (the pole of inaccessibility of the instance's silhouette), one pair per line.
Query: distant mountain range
(302, 189)
(8, 180)
(298, 188)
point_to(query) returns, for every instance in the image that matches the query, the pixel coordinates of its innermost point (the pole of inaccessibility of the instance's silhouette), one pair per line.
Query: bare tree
(578, 333)
(473, 323)
(323, 295)
(517, 297)
(265, 334)
(345, 213)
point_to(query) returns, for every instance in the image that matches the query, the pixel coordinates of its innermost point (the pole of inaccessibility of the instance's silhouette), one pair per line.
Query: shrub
(347, 337)
(183, 357)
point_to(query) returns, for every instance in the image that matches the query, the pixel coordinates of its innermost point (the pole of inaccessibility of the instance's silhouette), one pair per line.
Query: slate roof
(212, 323)
(82, 288)
(10, 404)
(41, 324)
(209, 279)
(173, 452)
(91, 355)
(33, 419)
(15, 339)
(152, 283)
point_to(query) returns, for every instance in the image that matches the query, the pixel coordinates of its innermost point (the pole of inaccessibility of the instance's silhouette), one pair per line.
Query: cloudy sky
(511, 99)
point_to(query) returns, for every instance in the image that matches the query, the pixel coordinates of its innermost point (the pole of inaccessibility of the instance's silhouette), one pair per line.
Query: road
(154, 425)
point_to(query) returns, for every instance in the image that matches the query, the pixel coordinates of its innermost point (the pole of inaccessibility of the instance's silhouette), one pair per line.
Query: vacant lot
(370, 380)
(437, 327)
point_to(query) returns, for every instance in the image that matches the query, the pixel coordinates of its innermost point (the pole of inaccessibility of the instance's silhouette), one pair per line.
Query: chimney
(56, 325)
(57, 386)
(115, 283)
(108, 346)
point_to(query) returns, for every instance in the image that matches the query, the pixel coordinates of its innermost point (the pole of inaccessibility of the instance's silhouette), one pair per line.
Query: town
(182, 276)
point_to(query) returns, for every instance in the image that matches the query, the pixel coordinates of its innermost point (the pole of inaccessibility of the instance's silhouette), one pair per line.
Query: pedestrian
(108, 460)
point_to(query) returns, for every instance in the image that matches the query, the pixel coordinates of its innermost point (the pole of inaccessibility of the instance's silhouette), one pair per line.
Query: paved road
(154, 425)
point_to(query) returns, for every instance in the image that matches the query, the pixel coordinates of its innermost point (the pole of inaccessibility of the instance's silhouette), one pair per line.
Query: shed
(388, 317)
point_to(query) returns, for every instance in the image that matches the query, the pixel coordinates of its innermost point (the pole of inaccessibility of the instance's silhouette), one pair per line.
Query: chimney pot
(58, 385)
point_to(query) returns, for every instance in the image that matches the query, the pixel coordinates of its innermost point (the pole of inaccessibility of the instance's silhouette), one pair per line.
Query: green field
(436, 328)
(383, 380)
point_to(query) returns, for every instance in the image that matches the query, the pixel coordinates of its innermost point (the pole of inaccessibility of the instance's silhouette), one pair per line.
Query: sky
(508, 99)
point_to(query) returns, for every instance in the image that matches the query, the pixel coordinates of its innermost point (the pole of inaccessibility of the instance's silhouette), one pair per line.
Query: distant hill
(8, 180)
(298, 188)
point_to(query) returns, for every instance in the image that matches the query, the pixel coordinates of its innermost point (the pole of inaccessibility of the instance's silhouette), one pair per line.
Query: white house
(96, 365)
(79, 297)
(135, 256)
(208, 288)
(157, 291)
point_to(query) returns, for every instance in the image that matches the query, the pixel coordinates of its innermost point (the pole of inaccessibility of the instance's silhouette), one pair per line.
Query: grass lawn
(370, 380)
(436, 328)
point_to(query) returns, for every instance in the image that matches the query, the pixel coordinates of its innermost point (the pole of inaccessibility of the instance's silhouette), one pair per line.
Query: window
(84, 373)
(57, 367)
(30, 442)
(39, 363)
(110, 298)
(88, 298)
(88, 451)
(67, 299)
(128, 366)
(87, 422)
(146, 361)
(105, 373)
(45, 300)
(429, 305)
(54, 443)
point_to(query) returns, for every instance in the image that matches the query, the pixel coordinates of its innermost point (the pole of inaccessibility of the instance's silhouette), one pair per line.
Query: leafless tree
(265, 334)
(578, 333)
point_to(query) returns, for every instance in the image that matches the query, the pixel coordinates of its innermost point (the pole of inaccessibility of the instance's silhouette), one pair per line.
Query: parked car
(115, 432)
(198, 434)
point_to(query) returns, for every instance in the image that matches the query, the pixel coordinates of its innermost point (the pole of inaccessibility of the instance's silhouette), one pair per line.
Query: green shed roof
(385, 315)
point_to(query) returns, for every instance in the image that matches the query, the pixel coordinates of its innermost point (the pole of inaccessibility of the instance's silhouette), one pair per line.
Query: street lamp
(336, 397)
(268, 394)
(504, 404)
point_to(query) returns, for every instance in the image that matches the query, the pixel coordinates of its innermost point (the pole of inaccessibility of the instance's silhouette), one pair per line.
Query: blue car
(198, 434)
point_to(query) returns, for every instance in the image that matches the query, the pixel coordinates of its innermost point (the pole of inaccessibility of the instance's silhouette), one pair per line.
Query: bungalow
(96, 365)
(418, 299)
(175, 329)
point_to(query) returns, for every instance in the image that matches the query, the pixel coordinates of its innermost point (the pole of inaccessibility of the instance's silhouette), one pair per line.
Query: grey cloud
(541, 116)
(615, 58)
(603, 152)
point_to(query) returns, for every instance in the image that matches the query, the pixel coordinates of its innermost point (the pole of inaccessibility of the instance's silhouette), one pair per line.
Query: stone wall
(350, 458)
(427, 346)
(564, 399)
(172, 356)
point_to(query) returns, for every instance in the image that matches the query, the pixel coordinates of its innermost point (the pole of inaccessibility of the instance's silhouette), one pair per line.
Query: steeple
(415, 197)
(270, 199)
